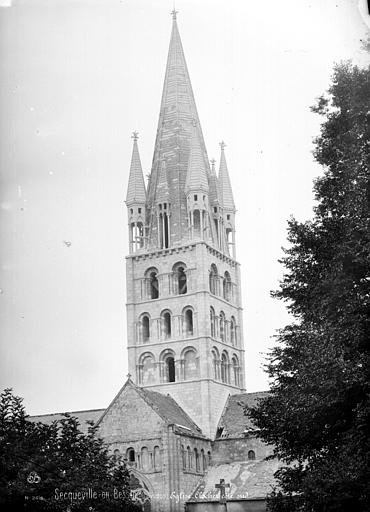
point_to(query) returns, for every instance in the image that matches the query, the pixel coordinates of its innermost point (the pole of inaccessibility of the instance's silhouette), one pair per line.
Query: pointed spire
(136, 186)
(173, 140)
(224, 181)
(163, 193)
(196, 177)
(214, 187)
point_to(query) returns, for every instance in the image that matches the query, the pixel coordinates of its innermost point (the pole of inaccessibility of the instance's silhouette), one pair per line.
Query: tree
(56, 467)
(317, 415)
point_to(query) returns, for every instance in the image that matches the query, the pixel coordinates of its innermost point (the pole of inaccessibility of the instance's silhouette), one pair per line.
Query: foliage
(318, 413)
(56, 467)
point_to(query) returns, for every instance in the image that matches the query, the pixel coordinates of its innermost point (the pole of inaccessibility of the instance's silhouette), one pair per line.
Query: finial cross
(174, 13)
(129, 375)
(135, 136)
(222, 145)
(222, 486)
(213, 161)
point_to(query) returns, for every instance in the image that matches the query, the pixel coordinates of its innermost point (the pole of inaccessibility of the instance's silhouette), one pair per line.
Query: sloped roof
(196, 178)
(169, 410)
(136, 186)
(163, 193)
(233, 420)
(249, 479)
(82, 416)
(225, 184)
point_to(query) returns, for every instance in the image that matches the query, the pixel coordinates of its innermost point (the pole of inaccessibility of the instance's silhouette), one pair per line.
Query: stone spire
(196, 178)
(224, 181)
(163, 193)
(214, 188)
(136, 186)
(177, 115)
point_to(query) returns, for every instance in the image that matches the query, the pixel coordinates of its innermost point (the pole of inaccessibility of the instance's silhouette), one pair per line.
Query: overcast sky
(76, 78)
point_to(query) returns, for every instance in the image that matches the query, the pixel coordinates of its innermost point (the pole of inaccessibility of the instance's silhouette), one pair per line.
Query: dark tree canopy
(56, 467)
(318, 413)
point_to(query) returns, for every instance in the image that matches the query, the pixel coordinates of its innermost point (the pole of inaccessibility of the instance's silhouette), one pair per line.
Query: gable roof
(233, 421)
(82, 416)
(170, 410)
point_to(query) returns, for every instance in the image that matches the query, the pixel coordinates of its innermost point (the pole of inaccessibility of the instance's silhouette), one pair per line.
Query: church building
(179, 419)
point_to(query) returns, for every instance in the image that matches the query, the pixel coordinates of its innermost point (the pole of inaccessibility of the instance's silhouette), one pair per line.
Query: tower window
(166, 324)
(157, 458)
(145, 328)
(215, 209)
(213, 279)
(195, 197)
(170, 369)
(188, 322)
(224, 368)
(139, 210)
(235, 364)
(227, 286)
(131, 211)
(154, 286)
(233, 331)
(212, 318)
(197, 462)
(228, 217)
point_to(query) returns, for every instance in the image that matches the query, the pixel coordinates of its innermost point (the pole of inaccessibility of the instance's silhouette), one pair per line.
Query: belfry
(184, 312)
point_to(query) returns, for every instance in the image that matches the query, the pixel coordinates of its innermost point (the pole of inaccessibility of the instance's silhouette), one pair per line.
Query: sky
(77, 77)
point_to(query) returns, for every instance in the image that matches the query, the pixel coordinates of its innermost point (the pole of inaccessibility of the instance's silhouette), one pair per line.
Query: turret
(135, 200)
(197, 190)
(228, 205)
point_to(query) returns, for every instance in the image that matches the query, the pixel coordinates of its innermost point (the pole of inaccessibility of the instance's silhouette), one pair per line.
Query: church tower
(184, 312)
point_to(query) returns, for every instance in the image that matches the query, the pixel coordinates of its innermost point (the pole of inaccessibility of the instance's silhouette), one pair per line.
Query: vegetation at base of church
(318, 413)
(56, 467)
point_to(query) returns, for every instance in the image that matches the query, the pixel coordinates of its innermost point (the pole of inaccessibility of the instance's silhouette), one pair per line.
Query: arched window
(209, 456)
(137, 235)
(215, 364)
(188, 322)
(157, 458)
(191, 366)
(180, 278)
(190, 458)
(225, 368)
(212, 319)
(251, 455)
(147, 371)
(163, 224)
(235, 364)
(222, 327)
(233, 331)
(227, 286)
(183, 456)
(166, 324)
(197, 461)
(151, 276)
(116, 453)
(169, 369)
(144, 458)
(213, 279)
(145, 328)
(130, 455)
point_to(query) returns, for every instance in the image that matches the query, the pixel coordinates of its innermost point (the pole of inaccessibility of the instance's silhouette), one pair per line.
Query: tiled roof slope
(82, 416)
(169, 410)
(250, 479)
(233, 420)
